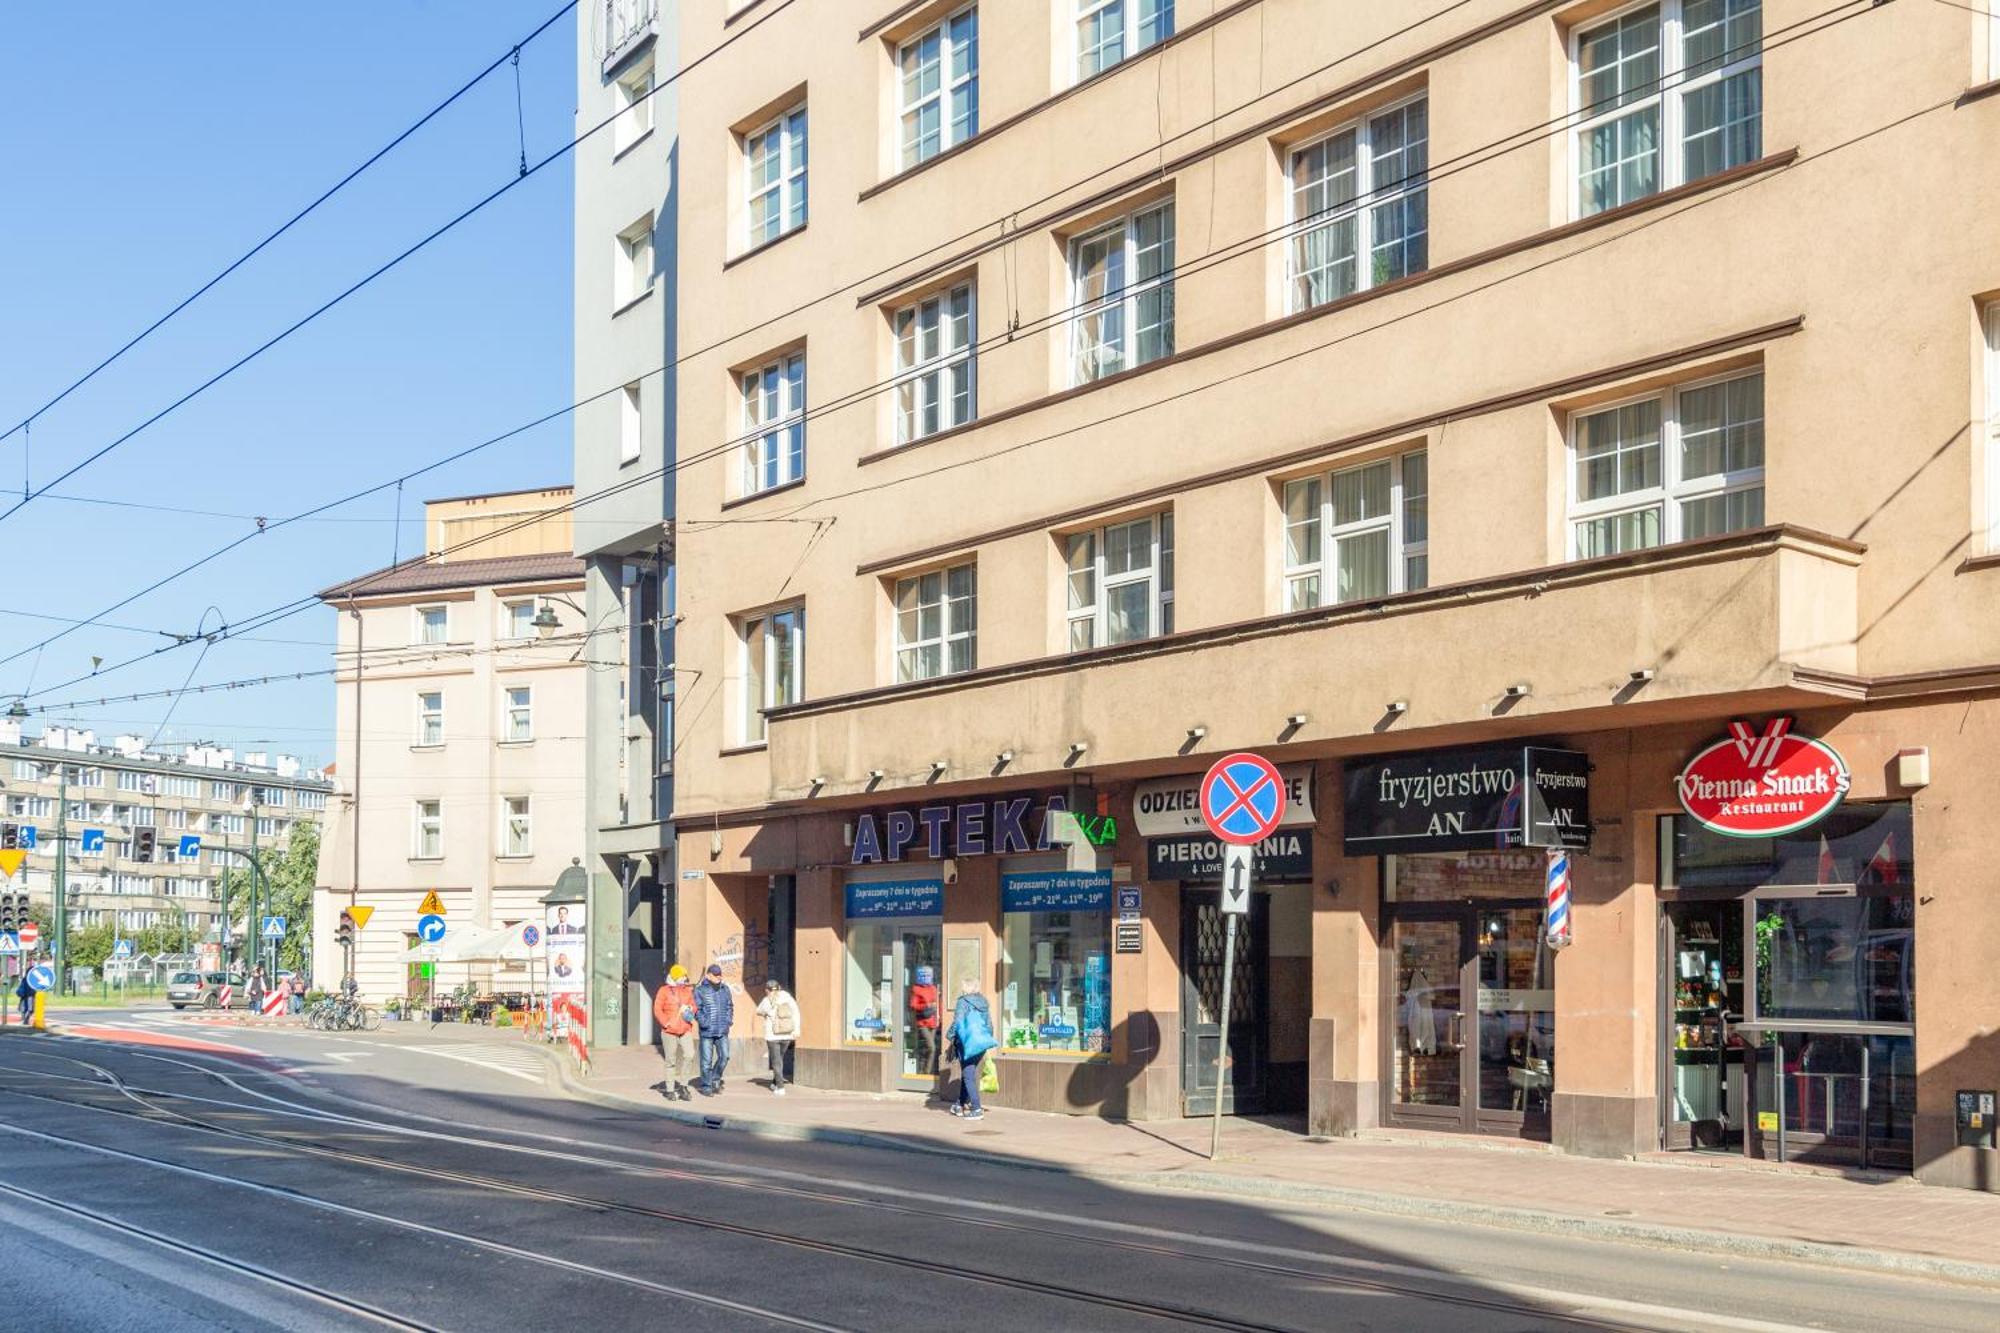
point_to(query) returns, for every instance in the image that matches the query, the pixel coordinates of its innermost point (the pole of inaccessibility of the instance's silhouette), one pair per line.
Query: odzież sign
(1171, 807)
(1480, 799)
(1753, 785)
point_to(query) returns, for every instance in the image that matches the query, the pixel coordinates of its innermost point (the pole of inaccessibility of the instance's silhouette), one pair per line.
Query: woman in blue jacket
(972, 1035)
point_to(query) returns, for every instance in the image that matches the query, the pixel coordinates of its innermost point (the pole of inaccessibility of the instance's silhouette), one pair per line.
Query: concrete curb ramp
(1728, 1244)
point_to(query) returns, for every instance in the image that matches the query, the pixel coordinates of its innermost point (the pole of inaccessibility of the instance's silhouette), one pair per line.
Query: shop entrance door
(919, 950)
(1203, 930)
(1471, 1003)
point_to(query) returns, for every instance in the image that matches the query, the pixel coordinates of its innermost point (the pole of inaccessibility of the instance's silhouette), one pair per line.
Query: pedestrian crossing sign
(432, 905)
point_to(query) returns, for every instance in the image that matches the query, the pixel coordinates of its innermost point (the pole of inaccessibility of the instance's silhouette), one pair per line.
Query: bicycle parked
(344, 1013)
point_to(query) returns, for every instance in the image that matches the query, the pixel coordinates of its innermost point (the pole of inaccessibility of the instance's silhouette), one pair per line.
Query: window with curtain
(1358, 532)
(1120, 582)
(940, 87)
(937, 623)
(775, 177)
(1122, 293)
(1361, 205)
(1668, 467)
(774, 408)
(935, 340)
(1666, 94)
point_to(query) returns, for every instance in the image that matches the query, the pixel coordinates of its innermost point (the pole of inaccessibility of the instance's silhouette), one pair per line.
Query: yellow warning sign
(10, 861)
(432, 903)
(359, 915)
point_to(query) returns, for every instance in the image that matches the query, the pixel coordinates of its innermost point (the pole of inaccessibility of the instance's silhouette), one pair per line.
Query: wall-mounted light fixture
(1396, 706)
(938, 766)
(1520, 690)
(1077, 748)
(1196, 733)
(1004, 758)
(1297, 720)
(874, 775)
(1640, 675)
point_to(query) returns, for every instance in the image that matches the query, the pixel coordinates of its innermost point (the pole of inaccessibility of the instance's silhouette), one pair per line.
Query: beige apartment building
(120, 844)
(1402, 393)
(459, 679)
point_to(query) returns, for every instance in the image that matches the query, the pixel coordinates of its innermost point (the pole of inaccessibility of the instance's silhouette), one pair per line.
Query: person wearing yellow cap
(673, 1010)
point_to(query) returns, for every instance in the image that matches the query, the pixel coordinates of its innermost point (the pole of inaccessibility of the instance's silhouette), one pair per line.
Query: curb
(1656, 1235)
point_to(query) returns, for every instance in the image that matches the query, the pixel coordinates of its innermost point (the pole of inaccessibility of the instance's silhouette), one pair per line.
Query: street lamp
(545, 621)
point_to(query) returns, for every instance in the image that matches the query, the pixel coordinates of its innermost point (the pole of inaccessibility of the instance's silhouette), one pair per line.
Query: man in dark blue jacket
(714, 1015)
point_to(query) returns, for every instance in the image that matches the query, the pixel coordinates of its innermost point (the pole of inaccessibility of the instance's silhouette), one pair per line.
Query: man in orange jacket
(673, 1010)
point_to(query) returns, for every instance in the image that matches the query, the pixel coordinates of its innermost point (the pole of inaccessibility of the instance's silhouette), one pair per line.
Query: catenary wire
(325, 306)
(286, 609)
(514, 51)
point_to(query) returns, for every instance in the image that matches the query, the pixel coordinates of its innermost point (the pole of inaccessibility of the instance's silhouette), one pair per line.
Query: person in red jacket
(923, 1004)
(673, 1010)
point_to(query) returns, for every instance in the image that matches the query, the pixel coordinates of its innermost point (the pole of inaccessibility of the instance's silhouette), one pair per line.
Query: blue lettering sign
(934, 818)
(1056, 891)
(1010, 826)
(867, 842)
(895, 897)
(902, 832)
(972, 829)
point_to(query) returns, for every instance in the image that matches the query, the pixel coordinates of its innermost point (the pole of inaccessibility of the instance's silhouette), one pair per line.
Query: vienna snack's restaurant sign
(1760, 785)
(1485, 798)
(997, 826)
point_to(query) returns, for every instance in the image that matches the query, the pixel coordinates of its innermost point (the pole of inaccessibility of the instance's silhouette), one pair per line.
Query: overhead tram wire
(1458, 4)
(437, 232)
(513, 52)
(1233, 251)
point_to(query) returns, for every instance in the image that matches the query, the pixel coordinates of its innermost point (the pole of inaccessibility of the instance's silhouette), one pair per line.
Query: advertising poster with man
(566, 949)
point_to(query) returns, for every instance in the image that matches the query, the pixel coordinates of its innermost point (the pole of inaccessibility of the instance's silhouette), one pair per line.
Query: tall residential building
(626, 282)
(126, 794)
(459, 682)
(1567, 421)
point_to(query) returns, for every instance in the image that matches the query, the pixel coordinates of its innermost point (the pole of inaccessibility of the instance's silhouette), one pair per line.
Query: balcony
(1721, 622)
(625, 26)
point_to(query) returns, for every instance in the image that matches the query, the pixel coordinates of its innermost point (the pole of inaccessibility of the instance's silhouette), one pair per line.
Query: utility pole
(256, 926)
(60, 926)
(222, 931)
(354, 809)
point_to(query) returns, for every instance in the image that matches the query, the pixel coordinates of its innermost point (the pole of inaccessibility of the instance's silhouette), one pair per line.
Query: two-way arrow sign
(1236, 863)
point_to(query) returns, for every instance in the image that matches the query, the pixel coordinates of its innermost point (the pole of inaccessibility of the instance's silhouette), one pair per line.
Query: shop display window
(1866, 845)
(1836, 960)
(1056, 982)
(871, 984)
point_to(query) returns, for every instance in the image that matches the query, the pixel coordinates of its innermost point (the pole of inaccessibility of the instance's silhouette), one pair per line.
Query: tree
(289, 873)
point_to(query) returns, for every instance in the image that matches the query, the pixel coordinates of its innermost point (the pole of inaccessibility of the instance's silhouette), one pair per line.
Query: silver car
(203, 990)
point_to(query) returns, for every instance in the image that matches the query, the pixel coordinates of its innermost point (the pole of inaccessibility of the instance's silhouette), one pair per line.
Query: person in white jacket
(780, 1015)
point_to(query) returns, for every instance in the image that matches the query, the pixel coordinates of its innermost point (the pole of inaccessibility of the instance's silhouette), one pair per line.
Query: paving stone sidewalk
(1714, 1204)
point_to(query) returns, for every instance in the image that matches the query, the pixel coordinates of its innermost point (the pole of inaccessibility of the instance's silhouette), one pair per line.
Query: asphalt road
(392, 1180)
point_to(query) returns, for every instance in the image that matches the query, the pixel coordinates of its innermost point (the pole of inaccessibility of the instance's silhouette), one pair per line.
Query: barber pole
(1560, 934)
(274, 1003)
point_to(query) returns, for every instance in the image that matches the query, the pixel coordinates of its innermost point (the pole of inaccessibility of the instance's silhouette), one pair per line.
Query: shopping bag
(989, 1075)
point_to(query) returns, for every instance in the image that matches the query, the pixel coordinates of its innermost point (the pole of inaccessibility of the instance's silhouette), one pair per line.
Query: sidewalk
(1716, 1205)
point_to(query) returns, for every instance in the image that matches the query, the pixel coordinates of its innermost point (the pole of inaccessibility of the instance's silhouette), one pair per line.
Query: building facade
(117, 790)
(626, 204)
(459, 745)
(1118, 384)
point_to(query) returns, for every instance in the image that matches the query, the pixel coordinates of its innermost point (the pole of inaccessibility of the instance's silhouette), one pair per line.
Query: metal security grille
(1210, 932)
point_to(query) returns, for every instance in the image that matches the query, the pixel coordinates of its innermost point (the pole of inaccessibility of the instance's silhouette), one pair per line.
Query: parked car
(201, 989)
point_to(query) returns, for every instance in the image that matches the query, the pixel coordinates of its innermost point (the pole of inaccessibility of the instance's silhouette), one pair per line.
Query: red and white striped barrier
(226, 995)
(274, 1002)
(575, 1017)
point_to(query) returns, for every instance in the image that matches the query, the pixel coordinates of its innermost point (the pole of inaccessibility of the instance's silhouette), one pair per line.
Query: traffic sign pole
(1242, 802)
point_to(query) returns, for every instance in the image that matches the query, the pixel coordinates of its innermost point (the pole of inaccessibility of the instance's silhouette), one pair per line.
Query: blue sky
(144, 147)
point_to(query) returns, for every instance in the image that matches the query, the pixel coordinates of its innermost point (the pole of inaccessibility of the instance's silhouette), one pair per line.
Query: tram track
(150, 1100)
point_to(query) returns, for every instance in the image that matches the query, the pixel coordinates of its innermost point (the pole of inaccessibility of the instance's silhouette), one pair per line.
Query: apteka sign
(1759, 786)
(992, 827)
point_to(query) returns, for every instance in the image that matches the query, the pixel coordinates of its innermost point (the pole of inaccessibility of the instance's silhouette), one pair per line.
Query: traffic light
(11, 908)
(10, 837)
(343, 934)
(145, 844)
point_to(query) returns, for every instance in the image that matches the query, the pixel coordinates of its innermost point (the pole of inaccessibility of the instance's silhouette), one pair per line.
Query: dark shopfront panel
(1788, 990)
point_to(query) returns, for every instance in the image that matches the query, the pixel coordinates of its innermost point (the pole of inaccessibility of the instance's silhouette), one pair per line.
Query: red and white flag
(1882, 866)
(1827, 867)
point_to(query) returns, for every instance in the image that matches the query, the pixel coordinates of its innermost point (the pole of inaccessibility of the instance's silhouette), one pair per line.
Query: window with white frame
(520, 720)
(1361, 205)
(1992, 323)
(427, 842)
(312, 800)
(228, 791)
(631, 425)
(1358, 533)
(774, 422)
(1120, 582)
(774, 159)
(517, 831)
(1108, 31)
(181, 786)
(1665, 94)
(634, 94)
(1668, 467)
(934, 363)
(517, 619)
(773, 647)
(632, 263)
(232, 824)
(940, 87)
(431, 624)
(1122, 290)
(430, 717)
(937, 623)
